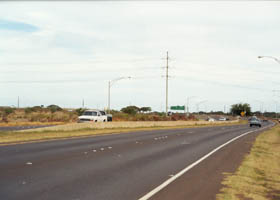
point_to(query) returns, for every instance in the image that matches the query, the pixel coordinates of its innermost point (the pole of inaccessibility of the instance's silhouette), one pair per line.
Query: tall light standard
(271, 57)
(278, 61)
(188, 101)
(197, 105)
(261, 106)
(109, 88)
(276, 106)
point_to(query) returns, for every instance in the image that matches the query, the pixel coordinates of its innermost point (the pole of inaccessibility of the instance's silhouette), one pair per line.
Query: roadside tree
(145, 109)
(132, 110)
(236, 109)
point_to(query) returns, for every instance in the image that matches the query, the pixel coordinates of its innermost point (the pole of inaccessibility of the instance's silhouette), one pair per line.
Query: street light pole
(110, 84)
(109, 96)
(197, 105)
(276, 106)
(276, 59)
(188, 100)
(261, 106)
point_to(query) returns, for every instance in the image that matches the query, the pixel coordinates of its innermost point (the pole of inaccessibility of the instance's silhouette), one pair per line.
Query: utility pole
(109, 96)
(83, 103)
(166, 83)
(18, 102)
(188, 101)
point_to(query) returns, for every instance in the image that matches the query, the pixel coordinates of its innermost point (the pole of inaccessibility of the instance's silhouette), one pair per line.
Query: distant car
(222, 119)
(255, 122)
(95, 116)
(211, 119)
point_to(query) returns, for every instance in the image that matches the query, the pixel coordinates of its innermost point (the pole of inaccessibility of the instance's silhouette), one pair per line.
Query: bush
(8, 110)
(80, 111)
(5, 111)
(28, 110)
(132, 110)
(54, 108)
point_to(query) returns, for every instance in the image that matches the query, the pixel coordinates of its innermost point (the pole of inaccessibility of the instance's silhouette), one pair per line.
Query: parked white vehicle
(95, 116)
(211, 119)
(222, 119)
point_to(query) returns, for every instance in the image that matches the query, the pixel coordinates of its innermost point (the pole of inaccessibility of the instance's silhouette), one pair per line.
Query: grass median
(93, 129)
(258, 177)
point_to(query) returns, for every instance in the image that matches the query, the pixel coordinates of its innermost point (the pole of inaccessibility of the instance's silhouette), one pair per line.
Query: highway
(123, 166)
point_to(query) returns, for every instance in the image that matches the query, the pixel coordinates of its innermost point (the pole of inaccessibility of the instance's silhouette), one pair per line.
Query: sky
(66, 52)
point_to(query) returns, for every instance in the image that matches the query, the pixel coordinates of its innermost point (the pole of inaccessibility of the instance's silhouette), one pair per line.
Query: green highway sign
(177, 107)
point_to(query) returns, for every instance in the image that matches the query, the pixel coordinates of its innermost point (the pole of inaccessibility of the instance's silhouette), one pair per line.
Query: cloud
(17, 26)
(213, 48)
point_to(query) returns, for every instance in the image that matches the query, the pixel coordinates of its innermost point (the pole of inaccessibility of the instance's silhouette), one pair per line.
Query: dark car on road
(255, 122)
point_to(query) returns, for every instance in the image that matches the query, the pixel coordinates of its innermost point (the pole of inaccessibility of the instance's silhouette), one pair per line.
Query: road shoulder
(204, 181)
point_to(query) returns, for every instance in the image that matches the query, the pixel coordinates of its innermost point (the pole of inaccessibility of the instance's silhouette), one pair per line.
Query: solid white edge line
(173, 178)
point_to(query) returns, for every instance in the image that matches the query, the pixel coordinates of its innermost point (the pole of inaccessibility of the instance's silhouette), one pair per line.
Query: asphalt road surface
(119, 167)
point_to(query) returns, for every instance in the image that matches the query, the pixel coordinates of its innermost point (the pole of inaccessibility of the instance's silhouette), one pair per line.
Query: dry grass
(134, 124)
(91, 129)
(29, 123)
(259, 175)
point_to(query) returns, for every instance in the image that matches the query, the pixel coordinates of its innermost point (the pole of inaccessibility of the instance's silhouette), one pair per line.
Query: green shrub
(80, 111)
(54, 108)
(28, 110)
(132, 110)
(8, 110)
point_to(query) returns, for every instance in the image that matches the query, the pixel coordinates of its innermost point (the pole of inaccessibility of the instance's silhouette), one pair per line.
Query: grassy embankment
(90, 129)
(258, 177)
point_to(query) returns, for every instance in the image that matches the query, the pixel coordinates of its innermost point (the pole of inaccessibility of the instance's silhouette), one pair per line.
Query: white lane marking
(85, 152)
(94, 150)
(102, 149)
(29, 163)
(185, 142)
(23, 183)
(110, 147)
(173, 178)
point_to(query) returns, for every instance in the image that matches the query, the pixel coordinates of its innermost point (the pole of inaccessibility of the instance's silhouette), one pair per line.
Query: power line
(225, 84)
(49, 81)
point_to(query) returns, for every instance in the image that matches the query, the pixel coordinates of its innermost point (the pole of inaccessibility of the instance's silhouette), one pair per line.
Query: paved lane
(118, 167)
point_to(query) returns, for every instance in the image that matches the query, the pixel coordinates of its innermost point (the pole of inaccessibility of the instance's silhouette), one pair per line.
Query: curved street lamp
(111, 83)
(276, 106)
(261, 105)
(271, 57)
(197, 105)
(188, 100)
